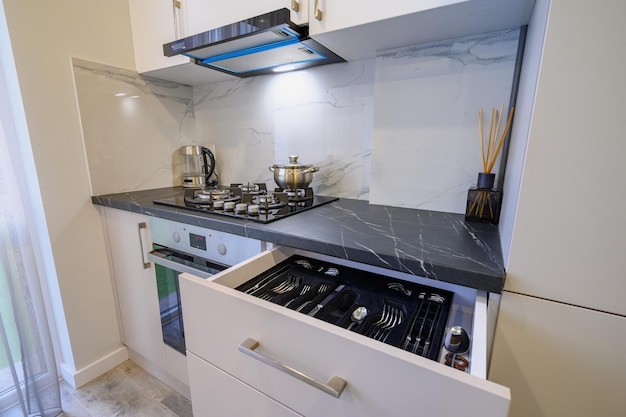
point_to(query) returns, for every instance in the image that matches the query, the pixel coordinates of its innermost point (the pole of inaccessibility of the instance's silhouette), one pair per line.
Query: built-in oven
(179, 248)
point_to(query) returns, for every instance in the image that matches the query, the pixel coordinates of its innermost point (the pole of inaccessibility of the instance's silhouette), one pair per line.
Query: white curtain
(29, 384)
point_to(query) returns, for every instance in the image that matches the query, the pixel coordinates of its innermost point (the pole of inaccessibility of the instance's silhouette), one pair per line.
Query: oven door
(168, 265)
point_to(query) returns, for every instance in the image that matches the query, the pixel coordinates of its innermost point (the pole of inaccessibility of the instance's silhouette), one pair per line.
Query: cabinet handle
(142, 226)
(295, 6)
(176, 8)
(334, 386)
(318, 12)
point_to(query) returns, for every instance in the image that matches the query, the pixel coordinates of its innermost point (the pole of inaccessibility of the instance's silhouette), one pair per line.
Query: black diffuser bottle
(483, 201)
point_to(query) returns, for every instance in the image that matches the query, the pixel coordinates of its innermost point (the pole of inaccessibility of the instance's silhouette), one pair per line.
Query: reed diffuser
(483, 201)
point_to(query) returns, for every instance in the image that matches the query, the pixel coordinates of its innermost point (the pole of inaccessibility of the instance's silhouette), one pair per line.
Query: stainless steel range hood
(264, 44)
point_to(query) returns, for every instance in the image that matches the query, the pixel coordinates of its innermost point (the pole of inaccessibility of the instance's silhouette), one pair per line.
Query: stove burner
(209, 197)
(212, 194)
(249, 201)
(298, 196)
(250, 188)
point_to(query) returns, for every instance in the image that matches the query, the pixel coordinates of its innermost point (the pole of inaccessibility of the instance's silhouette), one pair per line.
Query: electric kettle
(198, 166)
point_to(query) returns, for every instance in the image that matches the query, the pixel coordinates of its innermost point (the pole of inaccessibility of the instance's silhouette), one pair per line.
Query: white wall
(44, 36)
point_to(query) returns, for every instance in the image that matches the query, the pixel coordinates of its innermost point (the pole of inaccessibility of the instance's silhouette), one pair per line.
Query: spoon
(456, 341)
(358, 315)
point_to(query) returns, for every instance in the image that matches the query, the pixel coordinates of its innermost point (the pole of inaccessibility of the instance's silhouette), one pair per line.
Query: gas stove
(249, 201)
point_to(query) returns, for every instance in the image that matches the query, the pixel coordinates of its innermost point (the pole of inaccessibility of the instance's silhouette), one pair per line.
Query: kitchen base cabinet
(552, 356)
(381, 380)
(134, 281)
(215, 393)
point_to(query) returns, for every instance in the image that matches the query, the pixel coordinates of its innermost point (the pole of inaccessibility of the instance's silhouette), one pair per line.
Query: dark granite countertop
(440, 246)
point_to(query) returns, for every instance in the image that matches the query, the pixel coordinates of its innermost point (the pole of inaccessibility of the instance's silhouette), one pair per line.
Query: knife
(325, 301)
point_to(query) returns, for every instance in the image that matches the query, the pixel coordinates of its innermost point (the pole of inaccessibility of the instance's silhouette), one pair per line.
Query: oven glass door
(168, 264)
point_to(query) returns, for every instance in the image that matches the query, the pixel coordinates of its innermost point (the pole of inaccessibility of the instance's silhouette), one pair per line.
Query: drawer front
(215, 393)
(381, 379)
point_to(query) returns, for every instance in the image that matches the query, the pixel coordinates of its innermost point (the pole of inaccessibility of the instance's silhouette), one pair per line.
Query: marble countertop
(435, 245)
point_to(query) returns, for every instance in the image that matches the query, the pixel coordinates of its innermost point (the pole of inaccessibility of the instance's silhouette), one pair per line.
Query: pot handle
(310, 170)
(272, 168)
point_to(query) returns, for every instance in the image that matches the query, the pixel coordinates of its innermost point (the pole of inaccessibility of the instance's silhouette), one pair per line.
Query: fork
(305, 289)
(390, 318)
(397, 318)
(320, 290)
(289, 284)
(373, 327)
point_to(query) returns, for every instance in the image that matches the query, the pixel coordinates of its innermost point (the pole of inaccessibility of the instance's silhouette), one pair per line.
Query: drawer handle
(334, 386)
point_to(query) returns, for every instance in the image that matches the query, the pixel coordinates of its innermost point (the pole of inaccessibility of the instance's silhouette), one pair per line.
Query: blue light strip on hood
(249, 51)
(296, 55)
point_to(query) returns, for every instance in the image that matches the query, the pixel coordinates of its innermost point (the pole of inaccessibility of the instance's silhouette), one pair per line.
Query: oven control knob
(176, 237)
(221, 249)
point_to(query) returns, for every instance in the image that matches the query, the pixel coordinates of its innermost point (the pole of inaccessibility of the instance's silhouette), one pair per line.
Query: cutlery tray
(403, 314)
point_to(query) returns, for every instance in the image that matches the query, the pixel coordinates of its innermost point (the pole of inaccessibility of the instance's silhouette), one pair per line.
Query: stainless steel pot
(293, 175)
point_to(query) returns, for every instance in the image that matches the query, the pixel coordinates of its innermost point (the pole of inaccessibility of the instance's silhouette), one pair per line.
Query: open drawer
(319, 369)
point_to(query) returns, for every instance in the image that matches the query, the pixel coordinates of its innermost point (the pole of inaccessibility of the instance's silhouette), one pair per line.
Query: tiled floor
(124, 391)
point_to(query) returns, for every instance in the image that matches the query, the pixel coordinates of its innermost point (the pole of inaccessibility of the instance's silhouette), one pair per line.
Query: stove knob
(221, 249)
(176, 237)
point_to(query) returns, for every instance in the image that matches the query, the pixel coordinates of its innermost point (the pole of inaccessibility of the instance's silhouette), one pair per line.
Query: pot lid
(293, 163)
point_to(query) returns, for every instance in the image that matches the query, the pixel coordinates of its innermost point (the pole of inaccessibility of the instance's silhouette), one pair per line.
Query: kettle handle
(209, 163)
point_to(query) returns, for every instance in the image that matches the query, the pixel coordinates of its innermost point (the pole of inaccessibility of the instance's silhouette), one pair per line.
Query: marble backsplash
(400, 129)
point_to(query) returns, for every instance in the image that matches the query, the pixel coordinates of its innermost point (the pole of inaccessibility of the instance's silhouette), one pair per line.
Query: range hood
(264, 44)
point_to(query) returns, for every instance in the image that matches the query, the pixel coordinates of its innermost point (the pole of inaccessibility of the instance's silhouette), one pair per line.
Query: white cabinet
(356, 29)
(155, 23)
(129, 242)
(135, 285)
(235, 398)
(381, 380)
(559, 359)
(204, 15)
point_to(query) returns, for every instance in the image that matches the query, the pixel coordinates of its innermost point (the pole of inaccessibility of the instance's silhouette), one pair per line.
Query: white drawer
(381, 379)
(215, 393)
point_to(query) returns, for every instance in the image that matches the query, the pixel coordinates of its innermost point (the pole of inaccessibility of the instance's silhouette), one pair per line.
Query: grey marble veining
(425, 144)
(324, 115)
(399, 129)
(132, 127)
(435, 245)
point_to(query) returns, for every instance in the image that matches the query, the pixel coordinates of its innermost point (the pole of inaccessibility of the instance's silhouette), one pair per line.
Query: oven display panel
(197, 241)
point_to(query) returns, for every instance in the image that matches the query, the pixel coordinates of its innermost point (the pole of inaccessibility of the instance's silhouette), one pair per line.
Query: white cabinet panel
(381, 379)
(357, 29)
(205, 15)
(154, 23)
(559, 360)
(215, 393)
(157, 22)
(136, 285)
(569, 233)
(137, 298)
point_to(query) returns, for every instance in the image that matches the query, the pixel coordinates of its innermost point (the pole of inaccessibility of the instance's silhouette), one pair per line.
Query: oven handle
(158, 259)
(143, 226)
(334, 386)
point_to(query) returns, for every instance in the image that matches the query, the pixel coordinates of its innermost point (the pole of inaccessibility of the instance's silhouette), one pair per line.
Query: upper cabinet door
(356, 29)
(328, 15)
(154, 23)
(203, 15)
